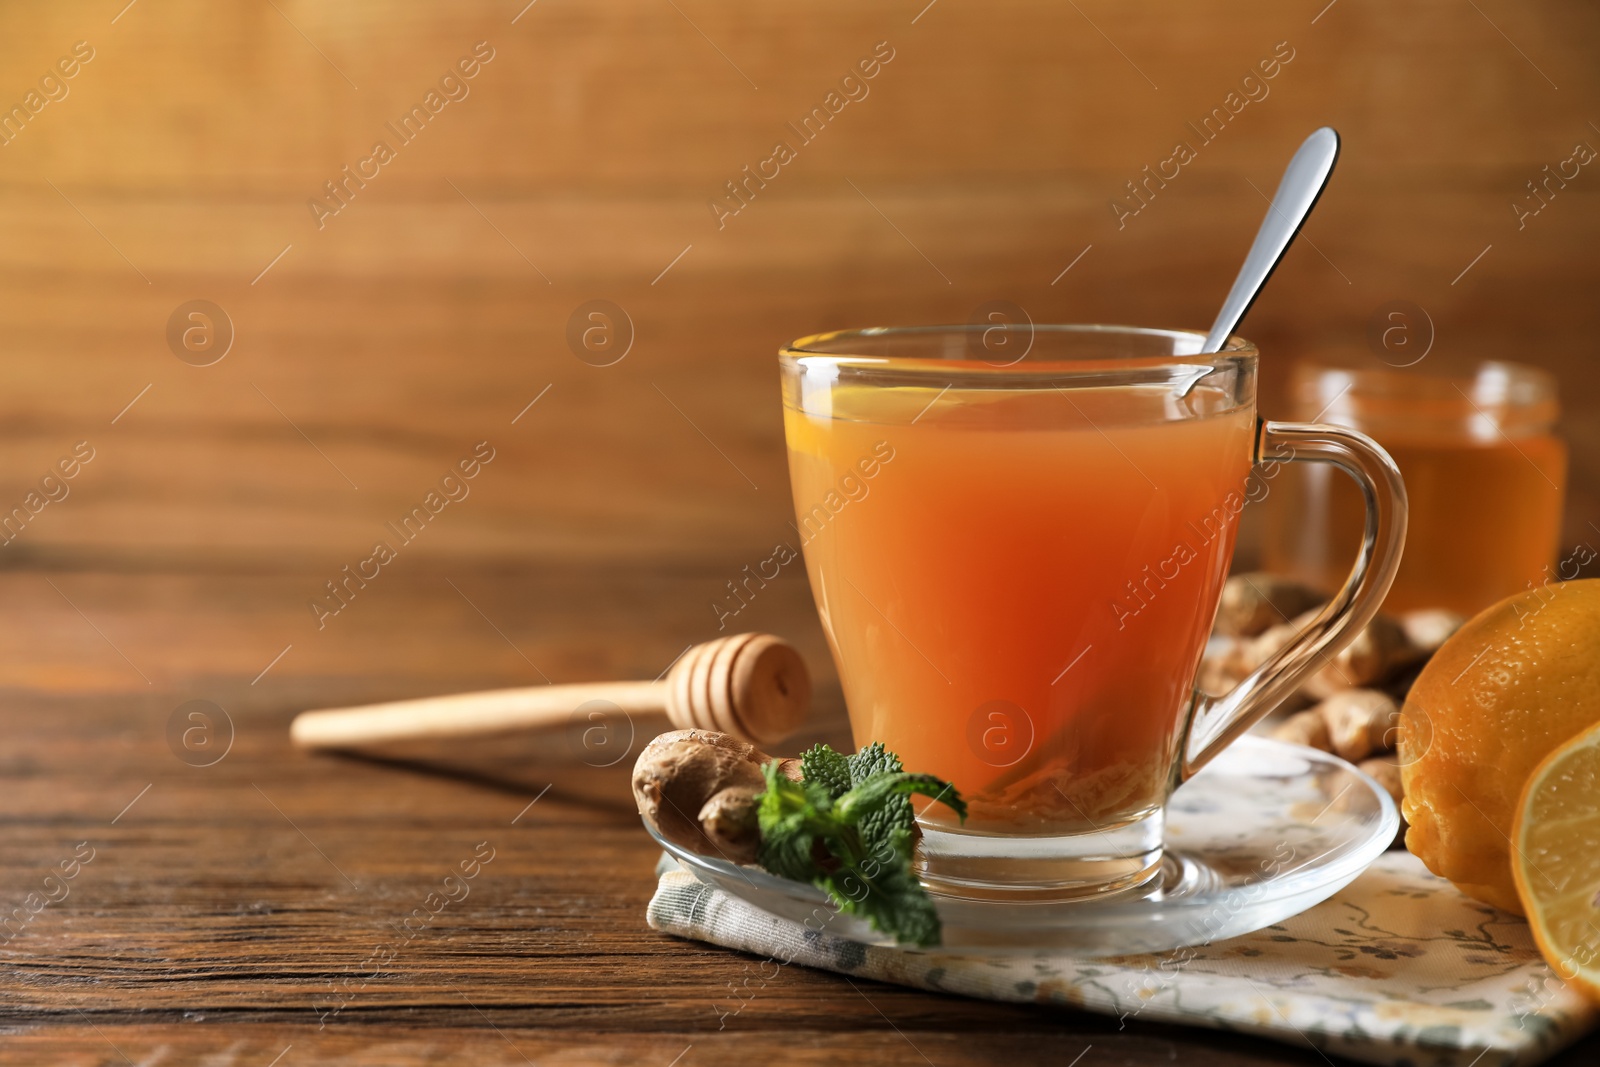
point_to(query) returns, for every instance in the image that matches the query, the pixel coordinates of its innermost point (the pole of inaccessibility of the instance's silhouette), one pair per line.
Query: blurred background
(374, 329)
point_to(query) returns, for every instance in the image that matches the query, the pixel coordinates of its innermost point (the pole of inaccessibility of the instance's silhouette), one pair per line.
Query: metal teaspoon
(1303, 182)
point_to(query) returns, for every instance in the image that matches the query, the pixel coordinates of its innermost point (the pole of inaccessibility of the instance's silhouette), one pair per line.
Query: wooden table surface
(227, 907)
(224, 905)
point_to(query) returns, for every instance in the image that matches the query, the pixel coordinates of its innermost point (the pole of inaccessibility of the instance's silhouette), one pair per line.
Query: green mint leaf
(823, 765)
(789, 855)
(789, 819)
(874, 759)
(880, 790)
(784, 808)
(780, 800)
(889, 897)
(848, 828)
(893, 816)
(878, 826)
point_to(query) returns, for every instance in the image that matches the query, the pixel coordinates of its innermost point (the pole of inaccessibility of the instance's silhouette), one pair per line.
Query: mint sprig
(848, 828)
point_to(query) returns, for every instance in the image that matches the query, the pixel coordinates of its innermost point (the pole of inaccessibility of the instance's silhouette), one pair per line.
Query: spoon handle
(1303, 181)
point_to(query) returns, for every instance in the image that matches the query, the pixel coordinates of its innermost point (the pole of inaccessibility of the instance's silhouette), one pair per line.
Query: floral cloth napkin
(1399, 968)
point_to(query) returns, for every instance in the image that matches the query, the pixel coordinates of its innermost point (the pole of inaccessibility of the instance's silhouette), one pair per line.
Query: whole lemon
(1504, 692)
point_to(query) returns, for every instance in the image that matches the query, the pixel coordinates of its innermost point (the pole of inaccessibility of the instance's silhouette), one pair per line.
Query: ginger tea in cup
(1017, 568)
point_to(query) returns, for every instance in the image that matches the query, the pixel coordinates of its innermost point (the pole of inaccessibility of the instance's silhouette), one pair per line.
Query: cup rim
(833, 347)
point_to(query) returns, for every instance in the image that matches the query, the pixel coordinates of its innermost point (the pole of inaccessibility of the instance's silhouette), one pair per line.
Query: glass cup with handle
(1017, 563)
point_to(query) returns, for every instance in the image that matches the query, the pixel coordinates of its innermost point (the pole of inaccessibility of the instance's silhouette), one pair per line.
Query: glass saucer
(1264, 832)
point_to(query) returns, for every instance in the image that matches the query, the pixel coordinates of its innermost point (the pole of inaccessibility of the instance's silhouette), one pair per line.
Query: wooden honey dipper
(753, 686)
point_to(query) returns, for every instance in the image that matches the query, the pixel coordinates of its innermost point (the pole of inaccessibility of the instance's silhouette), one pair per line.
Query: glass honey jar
(1483, 469)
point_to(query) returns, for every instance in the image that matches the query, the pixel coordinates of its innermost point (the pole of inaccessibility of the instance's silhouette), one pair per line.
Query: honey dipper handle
(468, 714)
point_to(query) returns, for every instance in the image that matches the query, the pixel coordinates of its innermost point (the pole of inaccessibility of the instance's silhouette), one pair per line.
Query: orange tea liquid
(1017, 585)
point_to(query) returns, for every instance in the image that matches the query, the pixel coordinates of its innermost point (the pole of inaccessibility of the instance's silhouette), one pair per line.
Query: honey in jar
(1483, 468)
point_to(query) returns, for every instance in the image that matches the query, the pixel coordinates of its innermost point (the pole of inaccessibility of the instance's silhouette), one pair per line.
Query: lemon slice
(1556, 859)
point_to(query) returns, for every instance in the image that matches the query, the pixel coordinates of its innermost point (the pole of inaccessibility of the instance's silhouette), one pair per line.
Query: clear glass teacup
(1017, 564)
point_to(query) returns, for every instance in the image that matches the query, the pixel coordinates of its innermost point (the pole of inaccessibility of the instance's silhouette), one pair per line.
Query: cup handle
(1217, 722)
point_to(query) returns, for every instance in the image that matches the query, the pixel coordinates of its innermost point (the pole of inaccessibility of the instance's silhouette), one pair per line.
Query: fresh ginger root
(1253, 603)
(1356, 692)
(1305, 728)
(1378, 651)
(1360, 722)
(1386, 772)
(1352, 700)
(698, 788)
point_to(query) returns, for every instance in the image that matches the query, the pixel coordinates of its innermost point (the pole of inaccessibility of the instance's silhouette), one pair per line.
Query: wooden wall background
(376, 351)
